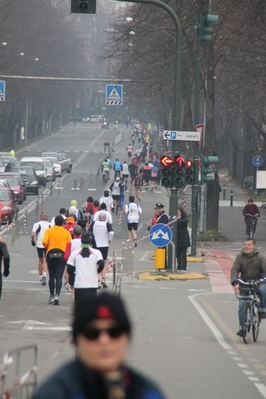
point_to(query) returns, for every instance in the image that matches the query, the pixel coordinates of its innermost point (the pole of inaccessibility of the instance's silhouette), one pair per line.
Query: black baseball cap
(158, 206)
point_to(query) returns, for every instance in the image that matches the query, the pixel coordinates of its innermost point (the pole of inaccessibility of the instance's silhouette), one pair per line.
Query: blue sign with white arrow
(2, 90)
(160, 235)
(114, 95)
(257, 161)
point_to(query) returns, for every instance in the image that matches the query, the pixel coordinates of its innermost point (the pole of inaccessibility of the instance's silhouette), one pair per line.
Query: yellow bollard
(159, 260)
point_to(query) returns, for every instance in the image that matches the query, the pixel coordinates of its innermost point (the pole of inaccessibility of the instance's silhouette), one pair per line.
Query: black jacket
(183, 239)
(163, 218)
(4, 254)
(75, 380)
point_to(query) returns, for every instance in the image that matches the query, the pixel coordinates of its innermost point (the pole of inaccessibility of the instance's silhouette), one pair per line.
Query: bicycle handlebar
(252, 216)
(252, 283)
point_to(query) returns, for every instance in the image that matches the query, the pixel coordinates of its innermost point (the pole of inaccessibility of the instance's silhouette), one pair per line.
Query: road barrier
(25, 217)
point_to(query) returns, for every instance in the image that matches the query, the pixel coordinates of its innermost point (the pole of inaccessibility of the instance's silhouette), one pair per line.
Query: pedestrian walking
(37, 234)
(103, 234)
(5, 258)
(85, 264)
(55, 240)
(101, 335)
(132, 212)
(183, 240)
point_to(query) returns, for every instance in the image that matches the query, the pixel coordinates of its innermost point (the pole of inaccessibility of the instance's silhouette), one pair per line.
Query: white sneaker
(56, 300)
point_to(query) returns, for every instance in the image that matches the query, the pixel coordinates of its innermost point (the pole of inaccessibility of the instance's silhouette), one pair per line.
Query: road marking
(262, 389)
(143, 258)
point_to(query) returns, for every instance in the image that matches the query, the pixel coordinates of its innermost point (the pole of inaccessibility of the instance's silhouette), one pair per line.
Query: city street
(184, 330)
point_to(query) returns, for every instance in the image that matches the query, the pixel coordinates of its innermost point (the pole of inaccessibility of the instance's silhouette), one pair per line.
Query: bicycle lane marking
(194, 299)
(219, 269)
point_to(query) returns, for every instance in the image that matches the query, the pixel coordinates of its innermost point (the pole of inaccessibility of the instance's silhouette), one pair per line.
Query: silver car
(63, 159)
(56, 166)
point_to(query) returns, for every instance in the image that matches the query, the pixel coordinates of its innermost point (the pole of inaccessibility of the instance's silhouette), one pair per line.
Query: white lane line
(242, 365)
(254, 379)
(209, 323)
(262, 389)
(248, 372)
(143, 258)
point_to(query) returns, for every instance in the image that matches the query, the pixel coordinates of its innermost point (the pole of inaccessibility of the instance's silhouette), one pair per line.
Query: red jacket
(252, 209)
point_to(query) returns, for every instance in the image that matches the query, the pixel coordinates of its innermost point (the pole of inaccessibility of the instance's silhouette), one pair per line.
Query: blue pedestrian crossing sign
(2, 90)
(114, 94)
(257, 161)
(160, 235)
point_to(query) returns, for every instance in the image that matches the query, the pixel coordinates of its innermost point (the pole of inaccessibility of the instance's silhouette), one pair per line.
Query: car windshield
(12, 181)
(4, 195)
(24, 172)
(48, 163)
(1, 162)
(49, 154)
(54, 160)
(34, 165)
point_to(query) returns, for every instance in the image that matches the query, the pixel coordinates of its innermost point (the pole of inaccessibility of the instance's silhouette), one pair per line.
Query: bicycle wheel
(255, 322)
(246, 324)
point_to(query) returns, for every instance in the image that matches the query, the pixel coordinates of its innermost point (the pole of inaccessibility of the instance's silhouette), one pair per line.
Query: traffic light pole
(173, 201)
(195, 193)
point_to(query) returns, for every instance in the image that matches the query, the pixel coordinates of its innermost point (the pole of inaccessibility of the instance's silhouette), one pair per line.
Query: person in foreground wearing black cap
(83, 266)
(162, 216)
(101, 335)
(250, 210)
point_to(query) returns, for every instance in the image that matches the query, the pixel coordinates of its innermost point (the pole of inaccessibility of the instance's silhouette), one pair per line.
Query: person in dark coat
(5, 258)
(183, 240)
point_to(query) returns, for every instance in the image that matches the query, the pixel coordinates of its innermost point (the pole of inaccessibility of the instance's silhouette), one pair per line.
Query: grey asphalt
(184, 331)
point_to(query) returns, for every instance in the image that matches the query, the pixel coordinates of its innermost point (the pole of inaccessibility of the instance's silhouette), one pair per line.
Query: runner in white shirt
(86, 263)
(108, 201)
(129, 150)
(125, 174)
(133, 212)
(109, 218)
(37, 234)
(62, 212)
(103, 234)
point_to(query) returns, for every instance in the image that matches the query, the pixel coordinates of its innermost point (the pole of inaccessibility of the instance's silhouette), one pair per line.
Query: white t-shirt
(40, 228)
(116, 188)
(86, 274)
(129, 148)
(109, 218)
(101, 234)
(125, 169)
(133, 211)
(108, 201)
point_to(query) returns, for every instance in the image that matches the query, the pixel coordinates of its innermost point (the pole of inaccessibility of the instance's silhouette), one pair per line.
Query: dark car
(17, 184)
(8, 205)
(29, 177)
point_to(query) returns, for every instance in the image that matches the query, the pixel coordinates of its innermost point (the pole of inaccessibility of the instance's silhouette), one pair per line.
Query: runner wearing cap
(133, 212)
(116, 188)
(101, 335)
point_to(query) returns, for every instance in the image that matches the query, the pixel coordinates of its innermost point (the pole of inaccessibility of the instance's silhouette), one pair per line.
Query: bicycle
(105, 176)
(251, 224)
(250, 314)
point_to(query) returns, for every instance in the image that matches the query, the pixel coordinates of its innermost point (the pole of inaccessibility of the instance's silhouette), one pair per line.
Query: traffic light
(179, 178)
(205, 29)
(167, 172)
(208, 168)
(83, 6)
(189, 172)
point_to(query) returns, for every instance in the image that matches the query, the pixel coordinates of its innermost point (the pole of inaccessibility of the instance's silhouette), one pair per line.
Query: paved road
(184, 333)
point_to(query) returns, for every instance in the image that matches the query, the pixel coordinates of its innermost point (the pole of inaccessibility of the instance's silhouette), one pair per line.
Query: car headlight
(16, 192)
(6, 208)
(34, 182)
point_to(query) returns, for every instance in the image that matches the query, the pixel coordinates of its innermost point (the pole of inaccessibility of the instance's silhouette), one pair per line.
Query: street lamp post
(173, 201)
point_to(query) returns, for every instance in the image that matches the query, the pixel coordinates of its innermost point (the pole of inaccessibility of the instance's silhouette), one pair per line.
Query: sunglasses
(93, 333)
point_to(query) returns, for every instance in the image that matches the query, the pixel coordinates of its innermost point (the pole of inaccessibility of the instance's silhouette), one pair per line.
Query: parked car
(29, 177)
(17, 185)
(50, 173)
(9, 211)
(38, 164)
(8, 159)
(56, 165)
(86, 120)
(96, 119)
(2, 166)
(63, 159)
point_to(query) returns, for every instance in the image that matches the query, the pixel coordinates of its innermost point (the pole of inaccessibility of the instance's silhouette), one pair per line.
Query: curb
(147, 275)
(194, 259)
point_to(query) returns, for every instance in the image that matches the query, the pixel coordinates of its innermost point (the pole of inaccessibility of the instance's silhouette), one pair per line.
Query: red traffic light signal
(180, 160)
(165, 160)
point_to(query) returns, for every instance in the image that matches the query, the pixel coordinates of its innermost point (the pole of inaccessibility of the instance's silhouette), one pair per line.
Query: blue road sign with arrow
(257, 161)
(2, 90)
(160, 235)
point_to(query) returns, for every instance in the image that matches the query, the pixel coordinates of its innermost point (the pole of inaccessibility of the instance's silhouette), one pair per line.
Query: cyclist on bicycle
(253, 210)
(105, 169)
(250, 265)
